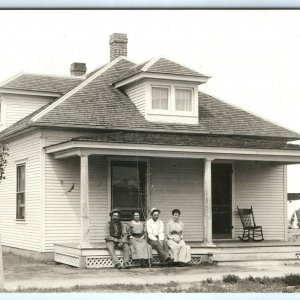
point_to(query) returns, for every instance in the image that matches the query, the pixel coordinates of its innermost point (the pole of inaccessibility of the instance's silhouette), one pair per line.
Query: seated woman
(181, 253)
(140, 250)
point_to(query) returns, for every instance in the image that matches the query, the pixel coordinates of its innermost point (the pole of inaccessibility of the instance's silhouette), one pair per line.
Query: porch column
(207, 207)
(84, 202)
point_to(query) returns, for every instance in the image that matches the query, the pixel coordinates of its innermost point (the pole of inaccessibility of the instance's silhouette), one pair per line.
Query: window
(160, 98)
(183, 99)
(20, 211)
(128, 187)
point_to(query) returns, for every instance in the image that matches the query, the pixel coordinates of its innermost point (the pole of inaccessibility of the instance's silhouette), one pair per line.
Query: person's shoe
(169, 261)
(118, 266)
(181, 264)
(126, 265)
(143, 264)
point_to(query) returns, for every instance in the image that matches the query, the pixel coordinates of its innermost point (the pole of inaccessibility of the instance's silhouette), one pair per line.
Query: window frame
(184, 112)
(160, 111)
(18, 165)
(172, 112)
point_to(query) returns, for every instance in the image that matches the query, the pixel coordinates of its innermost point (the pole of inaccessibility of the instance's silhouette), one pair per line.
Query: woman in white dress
(181, 253)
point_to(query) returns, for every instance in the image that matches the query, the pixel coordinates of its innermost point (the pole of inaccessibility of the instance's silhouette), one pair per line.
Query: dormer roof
(160, 66)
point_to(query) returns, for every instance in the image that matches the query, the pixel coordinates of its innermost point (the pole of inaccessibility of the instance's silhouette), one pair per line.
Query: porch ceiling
(88, 147)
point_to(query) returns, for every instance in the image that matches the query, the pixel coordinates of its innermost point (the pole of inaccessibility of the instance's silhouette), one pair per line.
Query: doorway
(222, 201)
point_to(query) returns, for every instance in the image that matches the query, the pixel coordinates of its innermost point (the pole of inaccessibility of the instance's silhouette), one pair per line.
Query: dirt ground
(25, 274)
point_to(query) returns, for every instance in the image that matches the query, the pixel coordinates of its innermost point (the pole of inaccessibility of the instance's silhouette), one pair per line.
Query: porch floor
(96, 256)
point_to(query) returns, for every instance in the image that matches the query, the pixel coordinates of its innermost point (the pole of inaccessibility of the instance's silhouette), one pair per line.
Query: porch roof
(175, 145)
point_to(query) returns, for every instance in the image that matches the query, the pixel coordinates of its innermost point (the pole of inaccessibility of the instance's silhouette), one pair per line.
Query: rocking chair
(251, 231)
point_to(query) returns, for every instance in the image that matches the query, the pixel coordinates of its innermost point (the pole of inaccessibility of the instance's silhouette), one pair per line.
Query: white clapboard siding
(261, 185)
(98, 197)
(19, 106)
(137, 94)
(177, 183)
(63, 207)
(19, 234)
(62, 201)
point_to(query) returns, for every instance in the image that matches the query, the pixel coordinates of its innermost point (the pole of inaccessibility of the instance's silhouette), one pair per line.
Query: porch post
(207, 207)
(84, 202)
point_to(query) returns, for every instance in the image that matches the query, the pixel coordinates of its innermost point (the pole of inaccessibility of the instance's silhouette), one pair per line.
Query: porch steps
(259, 263)
(257, 254)
(225, 253)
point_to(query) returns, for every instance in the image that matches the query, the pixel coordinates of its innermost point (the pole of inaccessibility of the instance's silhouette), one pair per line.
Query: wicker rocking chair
(251, 230)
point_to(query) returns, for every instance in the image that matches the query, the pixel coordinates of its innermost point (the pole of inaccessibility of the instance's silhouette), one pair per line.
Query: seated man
(116, 237)
(156, 237)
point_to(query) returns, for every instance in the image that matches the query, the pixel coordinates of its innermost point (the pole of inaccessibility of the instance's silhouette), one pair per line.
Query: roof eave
(28, 92)
(18, 133)
(71, 148)
(177, 131)
(160, 76)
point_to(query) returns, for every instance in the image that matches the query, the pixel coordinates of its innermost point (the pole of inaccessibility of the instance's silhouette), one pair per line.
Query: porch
(225, 252)
(169, 177)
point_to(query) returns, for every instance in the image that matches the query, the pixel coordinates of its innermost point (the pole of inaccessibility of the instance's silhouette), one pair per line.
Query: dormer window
(171, 101)
(163, 91)
(160, 98)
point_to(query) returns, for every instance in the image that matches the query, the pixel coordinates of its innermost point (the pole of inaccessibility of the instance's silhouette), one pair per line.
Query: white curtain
(160, 98)
(183, 99)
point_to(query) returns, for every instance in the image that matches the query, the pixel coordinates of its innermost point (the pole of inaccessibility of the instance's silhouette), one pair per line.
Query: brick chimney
(118, 45)
(78, 69)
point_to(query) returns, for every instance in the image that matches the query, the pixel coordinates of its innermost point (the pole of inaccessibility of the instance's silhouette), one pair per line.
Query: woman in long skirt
(140, 250)
(181, 253)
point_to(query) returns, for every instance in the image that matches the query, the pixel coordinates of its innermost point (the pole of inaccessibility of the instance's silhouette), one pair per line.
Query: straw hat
(153, 210)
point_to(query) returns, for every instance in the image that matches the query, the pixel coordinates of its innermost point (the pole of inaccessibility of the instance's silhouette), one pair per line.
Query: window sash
(129, 187)
(183, 99)
(20, 192)
(160, 98)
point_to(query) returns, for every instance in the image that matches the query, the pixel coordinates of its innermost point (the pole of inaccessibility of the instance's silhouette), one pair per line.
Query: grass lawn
(230, 284)
(19, 269)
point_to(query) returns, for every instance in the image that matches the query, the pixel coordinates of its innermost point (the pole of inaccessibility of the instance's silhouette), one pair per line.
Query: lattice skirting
(105, 261)
(67, 259)
(95, 262)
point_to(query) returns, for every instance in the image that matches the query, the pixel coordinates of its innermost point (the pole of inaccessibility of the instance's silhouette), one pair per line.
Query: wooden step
(288, 255)
(258, 263)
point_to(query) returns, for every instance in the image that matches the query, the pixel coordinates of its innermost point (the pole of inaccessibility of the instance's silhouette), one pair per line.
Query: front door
(221, 201)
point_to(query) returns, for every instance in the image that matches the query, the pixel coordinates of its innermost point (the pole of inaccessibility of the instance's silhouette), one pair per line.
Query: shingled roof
(42, 83)
(175, 139)
(96, 104)
(162, 66)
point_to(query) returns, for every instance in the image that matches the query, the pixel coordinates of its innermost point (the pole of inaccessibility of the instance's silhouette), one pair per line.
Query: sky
(252, 56)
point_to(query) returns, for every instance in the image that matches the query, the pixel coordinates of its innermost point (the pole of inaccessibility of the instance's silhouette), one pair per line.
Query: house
(136, 136)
